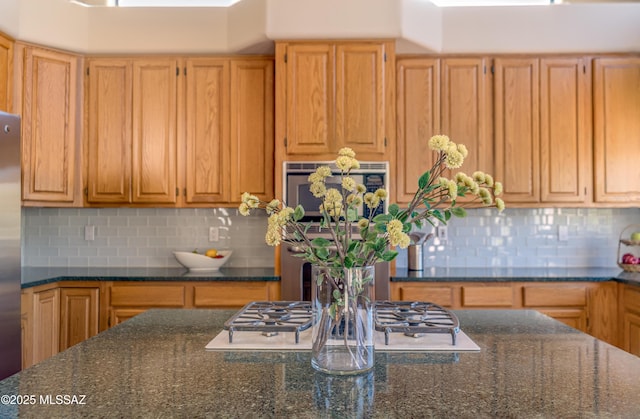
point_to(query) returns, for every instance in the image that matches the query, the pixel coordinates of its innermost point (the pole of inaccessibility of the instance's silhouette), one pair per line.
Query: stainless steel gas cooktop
(286, 325)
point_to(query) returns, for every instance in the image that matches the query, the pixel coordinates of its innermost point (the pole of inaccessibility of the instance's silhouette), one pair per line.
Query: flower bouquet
(343, 265)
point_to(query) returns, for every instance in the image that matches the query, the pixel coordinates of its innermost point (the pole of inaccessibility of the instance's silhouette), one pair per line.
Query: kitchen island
(155, 365)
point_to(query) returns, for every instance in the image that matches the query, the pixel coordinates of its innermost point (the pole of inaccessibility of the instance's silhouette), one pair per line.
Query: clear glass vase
(342, 300)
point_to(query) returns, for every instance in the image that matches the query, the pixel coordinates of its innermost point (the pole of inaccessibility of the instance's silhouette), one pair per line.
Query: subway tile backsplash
(145, 237)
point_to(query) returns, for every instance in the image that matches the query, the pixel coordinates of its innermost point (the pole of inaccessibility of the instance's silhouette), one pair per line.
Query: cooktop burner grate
(271, 317)
(414, 319)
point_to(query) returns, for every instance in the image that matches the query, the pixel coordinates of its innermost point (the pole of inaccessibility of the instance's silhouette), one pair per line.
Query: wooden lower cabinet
(590, 307)
(126, 299)
(629, 306)
(56, 317)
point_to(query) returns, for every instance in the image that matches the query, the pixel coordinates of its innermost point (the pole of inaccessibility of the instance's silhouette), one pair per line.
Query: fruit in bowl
(197, 262)
(629, 259)
(635, 236)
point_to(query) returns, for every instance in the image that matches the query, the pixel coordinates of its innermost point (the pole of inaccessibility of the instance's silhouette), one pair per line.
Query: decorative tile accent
(133, 237)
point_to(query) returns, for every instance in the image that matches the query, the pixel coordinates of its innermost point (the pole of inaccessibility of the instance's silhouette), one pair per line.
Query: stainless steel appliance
(10, 200)
(295, 272)
(399, 326)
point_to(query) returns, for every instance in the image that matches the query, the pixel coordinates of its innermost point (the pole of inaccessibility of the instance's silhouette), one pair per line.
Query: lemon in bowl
(198, 262)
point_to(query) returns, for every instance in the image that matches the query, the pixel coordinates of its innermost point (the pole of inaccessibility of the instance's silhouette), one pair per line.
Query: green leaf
(406, 227)
(447, 215)
(322, 253)
(459, 212)
(438, 214)
(382, 218)
(320, 242)
(380, 228)
(354, 246)
(394, 209)
(298, 213)
(337, 295)
(389, 255)
(424, 180)
(348, 261)
(418, 223)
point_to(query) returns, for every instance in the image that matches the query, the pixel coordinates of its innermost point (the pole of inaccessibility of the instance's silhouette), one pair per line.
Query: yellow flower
(244, 209)
(348, 184)
(371, 200)
(479, 176)
(394, 226)
(462, 149)
(344, 163)
(355, 164)
(497, 189)
(485, 196)
(272, 206)
(332, 196)
(363, 223)
(453, 189)
(318, 189)
(500, 204)
(381, 193)
(488, 180)
(439, 142)
(454, 159)
(443, 182)
(324, 171)
(354, 200)
(346, 151)
(284, 216)
(315, 177)
(361, 188)
(460, 177)
(252, 201)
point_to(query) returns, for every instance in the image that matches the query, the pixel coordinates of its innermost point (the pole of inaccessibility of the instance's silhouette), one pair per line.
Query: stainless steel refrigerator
(10, 336)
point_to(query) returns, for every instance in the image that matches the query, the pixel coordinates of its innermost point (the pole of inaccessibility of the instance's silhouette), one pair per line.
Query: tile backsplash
(145, 237)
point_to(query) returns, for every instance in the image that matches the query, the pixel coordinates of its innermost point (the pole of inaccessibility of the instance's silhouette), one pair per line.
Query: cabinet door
(466, 110)
(45, 325)
(360, 97)
(49, 126)
(309, 116)
(517, 128)
(79, 311)
(565, 149)
(616, 106)
(418, 107)
(6, 73)
(109, 141)
(207, 144)
(154, 130)
(252, 141)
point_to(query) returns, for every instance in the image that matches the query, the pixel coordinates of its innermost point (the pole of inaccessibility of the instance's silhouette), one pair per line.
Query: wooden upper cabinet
(49, 126)
(252, 125)
(565, 120)
(517, 136)
(154, 130)
(6, 73)
(309, 110)
(466, 111)
(131, 150)
(334, 94)
(542, 130)
(616, 110)
(207, 130)
(360, 102)
(418, 119)
(229, 129)
(109, 125)
(441, 96)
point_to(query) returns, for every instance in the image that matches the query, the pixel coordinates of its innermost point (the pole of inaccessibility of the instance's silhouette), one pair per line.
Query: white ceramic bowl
(198, 262)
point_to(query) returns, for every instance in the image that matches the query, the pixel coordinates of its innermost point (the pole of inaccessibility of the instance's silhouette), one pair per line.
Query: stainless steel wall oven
(295, 271)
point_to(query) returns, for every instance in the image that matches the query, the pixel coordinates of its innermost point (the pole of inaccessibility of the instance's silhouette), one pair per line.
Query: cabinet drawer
(231, 294)
(442, 296)
(554, 296)
(148, 295)
(492, 296)
(631, 298)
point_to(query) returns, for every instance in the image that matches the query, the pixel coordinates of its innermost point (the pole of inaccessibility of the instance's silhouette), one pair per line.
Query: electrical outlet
(214, 234)
(441, 232)
(89, 233)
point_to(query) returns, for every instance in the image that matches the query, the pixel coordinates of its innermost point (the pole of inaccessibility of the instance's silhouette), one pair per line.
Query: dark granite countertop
(515, 274)
(32, 276)
(155, 365)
